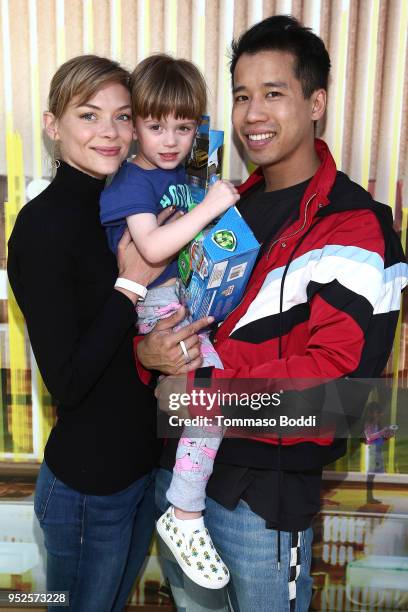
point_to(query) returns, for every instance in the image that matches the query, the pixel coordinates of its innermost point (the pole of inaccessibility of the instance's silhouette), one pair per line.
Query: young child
(168, 100)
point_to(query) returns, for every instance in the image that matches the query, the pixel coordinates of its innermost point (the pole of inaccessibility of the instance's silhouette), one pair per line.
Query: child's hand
(221, 196)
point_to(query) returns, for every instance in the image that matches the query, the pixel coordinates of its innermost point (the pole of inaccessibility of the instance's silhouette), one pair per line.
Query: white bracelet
(125, 283)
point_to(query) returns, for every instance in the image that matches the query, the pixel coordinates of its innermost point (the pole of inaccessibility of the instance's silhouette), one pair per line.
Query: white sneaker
(195, 553)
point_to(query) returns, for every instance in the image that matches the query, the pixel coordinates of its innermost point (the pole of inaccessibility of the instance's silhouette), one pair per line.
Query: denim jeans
(250, 552)
(95, 544)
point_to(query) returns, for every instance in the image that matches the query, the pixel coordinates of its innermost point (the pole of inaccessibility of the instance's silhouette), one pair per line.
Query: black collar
(77, 182)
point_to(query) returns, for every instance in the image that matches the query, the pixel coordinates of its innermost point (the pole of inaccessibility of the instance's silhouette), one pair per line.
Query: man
(322, 302)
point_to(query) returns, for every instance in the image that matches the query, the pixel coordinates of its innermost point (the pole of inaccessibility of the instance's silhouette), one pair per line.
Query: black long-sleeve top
(81, 330)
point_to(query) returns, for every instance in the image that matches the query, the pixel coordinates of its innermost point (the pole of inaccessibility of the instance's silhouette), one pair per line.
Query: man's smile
(264, 136)
(259, 140)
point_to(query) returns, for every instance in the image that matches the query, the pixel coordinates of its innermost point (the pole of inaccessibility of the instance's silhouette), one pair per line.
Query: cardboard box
(215, 268)
(204, 165)
(216, 265)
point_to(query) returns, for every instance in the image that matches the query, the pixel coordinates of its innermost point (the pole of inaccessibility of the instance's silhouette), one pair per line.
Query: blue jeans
(95, 544)
(250, 552)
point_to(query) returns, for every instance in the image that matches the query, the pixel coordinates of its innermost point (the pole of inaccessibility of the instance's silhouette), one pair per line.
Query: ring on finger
(183, 347)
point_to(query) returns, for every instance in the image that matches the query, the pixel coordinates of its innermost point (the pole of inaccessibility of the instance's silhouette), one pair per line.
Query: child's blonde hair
(162, 85)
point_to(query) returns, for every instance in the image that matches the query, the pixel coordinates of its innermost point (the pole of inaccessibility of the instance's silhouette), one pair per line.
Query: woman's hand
(161, 350)
(133, 266)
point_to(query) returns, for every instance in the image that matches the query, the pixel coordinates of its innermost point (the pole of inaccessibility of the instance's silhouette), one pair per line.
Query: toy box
(215, 268)
(216, 265)
(205, 163)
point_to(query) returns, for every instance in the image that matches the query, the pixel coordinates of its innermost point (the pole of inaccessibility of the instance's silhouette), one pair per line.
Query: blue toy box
(216, 265)
(216, 268)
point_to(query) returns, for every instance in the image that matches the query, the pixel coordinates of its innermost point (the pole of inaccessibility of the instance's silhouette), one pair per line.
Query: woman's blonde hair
(162, 85)
(82, 77)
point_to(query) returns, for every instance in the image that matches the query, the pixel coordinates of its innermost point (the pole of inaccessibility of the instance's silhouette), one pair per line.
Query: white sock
(188, 525)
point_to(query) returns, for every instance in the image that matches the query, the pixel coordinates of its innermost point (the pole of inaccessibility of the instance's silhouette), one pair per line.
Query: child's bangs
(170, 97)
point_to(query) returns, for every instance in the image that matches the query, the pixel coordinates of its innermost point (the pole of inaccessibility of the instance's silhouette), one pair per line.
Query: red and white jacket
(323, 301)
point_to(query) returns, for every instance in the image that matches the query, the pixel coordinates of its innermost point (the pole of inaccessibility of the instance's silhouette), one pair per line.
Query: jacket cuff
(200, 383)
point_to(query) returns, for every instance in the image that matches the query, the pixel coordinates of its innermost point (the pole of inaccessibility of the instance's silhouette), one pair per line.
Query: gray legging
(198, 445)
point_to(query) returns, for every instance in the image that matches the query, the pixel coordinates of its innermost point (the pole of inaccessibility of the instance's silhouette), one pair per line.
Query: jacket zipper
(283, 238)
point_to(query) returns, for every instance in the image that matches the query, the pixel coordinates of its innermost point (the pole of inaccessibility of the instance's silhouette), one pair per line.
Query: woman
(94, 494)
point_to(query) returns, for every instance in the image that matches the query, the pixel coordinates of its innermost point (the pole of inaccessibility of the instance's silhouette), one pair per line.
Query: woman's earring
(55, 162)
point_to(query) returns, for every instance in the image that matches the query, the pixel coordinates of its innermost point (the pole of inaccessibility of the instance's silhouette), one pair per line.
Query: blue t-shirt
(135, 190)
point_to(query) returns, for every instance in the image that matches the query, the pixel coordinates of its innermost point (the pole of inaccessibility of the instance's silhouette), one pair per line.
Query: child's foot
(192, 547)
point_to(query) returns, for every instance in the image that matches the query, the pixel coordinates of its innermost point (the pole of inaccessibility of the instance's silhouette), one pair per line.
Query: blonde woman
(94, 491)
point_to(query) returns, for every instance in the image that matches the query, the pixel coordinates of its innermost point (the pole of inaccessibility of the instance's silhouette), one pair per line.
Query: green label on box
(225, 239)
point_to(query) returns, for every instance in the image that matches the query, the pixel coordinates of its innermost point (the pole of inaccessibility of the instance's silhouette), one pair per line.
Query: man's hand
(172, 385)
(160, 349)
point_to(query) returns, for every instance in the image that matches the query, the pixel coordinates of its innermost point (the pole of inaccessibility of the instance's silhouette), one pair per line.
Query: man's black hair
(285, 33)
